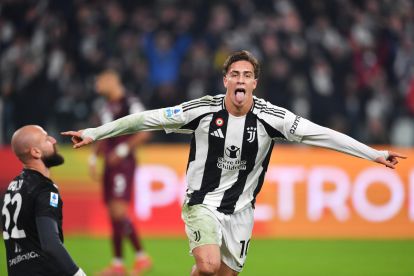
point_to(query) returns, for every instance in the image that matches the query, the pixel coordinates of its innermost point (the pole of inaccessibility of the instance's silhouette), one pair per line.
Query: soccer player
(118, 175)
(32, 210)
(233, 138)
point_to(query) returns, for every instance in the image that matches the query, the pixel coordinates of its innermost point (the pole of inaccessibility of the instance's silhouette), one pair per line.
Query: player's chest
(231, 133)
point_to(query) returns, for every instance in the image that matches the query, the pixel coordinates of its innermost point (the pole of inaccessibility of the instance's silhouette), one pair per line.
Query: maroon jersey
(118, 179)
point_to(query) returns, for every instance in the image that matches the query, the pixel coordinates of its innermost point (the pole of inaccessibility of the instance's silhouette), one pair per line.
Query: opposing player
(32, 210)
(233, 138)
(118, 175)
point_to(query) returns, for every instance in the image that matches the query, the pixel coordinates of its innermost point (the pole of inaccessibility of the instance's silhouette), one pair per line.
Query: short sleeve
(48, 203)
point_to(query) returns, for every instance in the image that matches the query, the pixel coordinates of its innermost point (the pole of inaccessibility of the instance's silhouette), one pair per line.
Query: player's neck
(39, 167)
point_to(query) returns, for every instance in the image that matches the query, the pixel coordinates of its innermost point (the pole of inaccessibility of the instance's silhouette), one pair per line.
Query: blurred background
(344, 64)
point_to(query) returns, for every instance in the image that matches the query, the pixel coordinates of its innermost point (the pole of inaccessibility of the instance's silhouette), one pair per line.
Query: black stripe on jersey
(258, 104)
(212, 174)
(192, 154)
(273, 133)
(199, 105)
(260, 181)
(194, 123)
(273, 114)
(206, 101)
(249, 153)
(277, 112)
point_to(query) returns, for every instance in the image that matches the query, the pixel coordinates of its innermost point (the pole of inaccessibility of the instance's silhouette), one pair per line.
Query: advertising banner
(308, 192)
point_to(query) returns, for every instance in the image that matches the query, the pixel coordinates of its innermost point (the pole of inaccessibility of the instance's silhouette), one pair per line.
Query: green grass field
(265, 258)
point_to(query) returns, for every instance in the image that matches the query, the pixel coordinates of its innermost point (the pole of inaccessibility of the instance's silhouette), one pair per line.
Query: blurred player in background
(118, 175)
(32, 210)
(233, 138)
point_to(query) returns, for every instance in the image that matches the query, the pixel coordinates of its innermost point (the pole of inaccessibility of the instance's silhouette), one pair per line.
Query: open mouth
(240, 94)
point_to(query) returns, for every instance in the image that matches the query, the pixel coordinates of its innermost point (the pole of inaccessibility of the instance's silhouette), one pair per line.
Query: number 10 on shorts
(244, 248)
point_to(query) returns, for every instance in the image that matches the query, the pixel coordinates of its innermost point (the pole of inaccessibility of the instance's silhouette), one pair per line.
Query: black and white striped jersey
(229, 155)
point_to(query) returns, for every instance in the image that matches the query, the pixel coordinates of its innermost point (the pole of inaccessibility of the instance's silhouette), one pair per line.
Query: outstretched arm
(147, 120)
(317, 135)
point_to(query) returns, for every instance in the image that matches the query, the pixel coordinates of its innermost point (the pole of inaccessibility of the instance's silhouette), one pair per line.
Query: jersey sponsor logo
(217, 133)
(54, 199)
(231, 165)
(219, 122)
(232, 151)
(252, 134)
(295, 125)
(171, 111)
(23, 257)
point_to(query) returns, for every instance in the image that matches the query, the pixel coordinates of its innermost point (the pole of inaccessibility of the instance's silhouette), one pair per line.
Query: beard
(55, 159)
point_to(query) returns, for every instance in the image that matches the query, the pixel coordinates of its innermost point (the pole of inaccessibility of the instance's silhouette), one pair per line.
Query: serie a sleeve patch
(54, 199)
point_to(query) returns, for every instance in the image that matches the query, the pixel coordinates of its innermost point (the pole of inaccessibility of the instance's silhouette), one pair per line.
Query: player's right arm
(142, 121)
(170, 119)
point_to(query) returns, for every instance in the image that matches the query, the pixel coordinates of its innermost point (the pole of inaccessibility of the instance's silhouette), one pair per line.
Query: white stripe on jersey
(233, 142)
(197, 168)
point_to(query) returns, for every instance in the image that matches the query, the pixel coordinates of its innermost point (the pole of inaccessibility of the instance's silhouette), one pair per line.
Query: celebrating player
(233, 138)
(32, 210)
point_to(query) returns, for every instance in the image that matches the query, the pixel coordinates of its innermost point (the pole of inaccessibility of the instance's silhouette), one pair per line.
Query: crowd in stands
(344, 64)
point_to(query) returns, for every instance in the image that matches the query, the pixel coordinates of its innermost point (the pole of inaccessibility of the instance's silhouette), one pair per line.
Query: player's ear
(225, 81)
(35, 152)
(255, 83)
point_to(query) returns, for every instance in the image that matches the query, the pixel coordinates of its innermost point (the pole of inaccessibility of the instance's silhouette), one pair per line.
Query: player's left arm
(47, 212)
(50, 242)
(316, 135)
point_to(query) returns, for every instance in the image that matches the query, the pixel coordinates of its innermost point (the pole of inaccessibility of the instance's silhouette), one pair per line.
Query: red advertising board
(308, 192)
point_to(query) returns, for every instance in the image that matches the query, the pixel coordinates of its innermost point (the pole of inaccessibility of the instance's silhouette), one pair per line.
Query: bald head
(24, 139)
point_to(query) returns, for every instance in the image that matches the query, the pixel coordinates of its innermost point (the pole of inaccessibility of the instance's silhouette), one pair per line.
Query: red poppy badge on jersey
(219, 122)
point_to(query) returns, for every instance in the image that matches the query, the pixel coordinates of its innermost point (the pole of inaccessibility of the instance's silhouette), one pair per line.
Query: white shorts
(232, 233)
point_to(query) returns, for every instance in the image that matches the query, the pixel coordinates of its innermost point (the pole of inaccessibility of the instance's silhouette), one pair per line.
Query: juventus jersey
(28, 196)
(229, 155)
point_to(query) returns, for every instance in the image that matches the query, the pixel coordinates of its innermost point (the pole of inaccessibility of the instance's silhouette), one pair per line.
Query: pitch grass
(265, 257)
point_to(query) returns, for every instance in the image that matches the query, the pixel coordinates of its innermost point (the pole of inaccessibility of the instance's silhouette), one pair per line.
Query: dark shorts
(119, 180)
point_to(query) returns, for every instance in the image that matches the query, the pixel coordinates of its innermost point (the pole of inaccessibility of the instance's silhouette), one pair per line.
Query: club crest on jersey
(219, 122)
(54, 199)
(252, 134)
